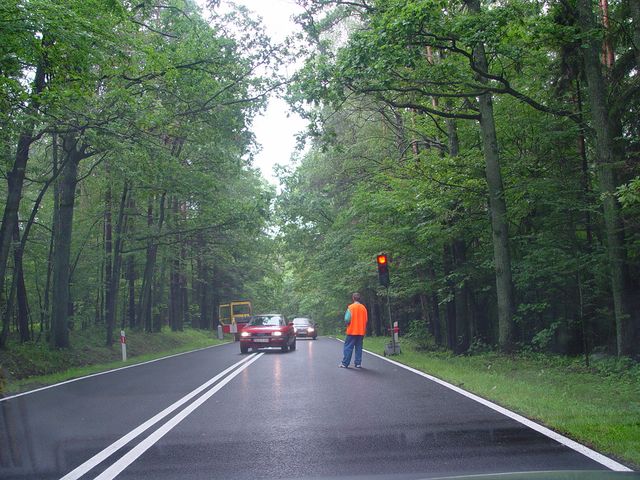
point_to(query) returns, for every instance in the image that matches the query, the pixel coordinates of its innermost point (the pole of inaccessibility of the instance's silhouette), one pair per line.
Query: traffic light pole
(393, 337)
(383, 277)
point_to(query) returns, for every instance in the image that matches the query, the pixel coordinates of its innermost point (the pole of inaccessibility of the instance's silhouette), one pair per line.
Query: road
(274, 415)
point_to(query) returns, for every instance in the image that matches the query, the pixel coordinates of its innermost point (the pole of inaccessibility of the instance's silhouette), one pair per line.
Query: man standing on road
(356, 320)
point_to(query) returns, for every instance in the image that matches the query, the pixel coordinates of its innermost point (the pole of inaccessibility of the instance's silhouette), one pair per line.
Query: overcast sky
(276, 128)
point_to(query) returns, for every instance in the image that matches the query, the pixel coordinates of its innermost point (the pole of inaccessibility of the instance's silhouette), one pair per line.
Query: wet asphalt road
(285, 415)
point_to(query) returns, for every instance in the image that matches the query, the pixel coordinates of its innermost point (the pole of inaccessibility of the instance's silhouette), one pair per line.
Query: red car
(270, 330)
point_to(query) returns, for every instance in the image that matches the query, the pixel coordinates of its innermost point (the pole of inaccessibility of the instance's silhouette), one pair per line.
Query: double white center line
(144, 445)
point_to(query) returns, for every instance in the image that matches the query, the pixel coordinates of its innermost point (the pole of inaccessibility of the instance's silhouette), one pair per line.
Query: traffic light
(383, 269)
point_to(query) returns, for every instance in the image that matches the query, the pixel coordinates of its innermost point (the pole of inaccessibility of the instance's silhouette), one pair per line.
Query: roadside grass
(598, 406)
(31, 365)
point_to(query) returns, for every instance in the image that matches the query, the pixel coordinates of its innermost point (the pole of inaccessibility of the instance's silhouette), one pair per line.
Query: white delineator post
(234, 330)
(123, 343)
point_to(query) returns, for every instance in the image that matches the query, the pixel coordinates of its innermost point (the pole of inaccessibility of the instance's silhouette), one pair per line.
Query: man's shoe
(343, 366)
(358, 366)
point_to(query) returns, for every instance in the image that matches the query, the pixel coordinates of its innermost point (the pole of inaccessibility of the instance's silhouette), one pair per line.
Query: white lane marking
(567, 442)
(148, 442)
(108, 371)
(121, 442)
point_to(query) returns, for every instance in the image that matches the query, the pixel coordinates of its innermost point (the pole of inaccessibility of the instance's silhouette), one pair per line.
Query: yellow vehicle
(234, 316)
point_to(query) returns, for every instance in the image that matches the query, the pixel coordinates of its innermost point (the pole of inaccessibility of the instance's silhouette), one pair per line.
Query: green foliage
(420, 336)
(34, 364)
(544, 338)
(397, 166)
(629, 193)
(160, 101)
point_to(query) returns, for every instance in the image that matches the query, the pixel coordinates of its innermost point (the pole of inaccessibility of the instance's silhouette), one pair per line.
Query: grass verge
(598, 406)
(31, 365)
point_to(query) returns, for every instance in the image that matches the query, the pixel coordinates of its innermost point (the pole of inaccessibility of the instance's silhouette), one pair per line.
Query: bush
(543, 340)
(478, 346)
(616, 367)
(419, 333)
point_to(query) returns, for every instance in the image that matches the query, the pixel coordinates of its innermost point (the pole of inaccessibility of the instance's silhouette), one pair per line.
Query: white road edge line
(148, 442)
(122, 441)
(567, 442)
(108, 371)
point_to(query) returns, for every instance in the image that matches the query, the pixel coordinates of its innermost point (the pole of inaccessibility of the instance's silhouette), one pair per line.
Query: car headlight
(295, 329)
(245, 334)
(310, 329)
(277, 334)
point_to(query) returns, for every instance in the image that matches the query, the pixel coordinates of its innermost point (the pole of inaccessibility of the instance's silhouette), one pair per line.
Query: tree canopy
(139, 118)
(480, 146)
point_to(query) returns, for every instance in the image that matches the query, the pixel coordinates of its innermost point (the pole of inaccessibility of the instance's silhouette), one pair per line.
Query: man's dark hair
(356, 297)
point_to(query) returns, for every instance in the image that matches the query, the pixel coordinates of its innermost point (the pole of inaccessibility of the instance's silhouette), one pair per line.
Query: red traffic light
(383, 269)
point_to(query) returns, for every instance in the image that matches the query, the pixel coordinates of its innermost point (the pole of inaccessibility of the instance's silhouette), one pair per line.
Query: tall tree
(610, 154)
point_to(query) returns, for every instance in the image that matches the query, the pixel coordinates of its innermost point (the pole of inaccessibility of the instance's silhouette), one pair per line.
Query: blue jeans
(350, 342)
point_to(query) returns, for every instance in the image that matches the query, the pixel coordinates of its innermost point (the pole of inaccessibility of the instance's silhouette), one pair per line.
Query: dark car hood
(551, 475)
(541, 475)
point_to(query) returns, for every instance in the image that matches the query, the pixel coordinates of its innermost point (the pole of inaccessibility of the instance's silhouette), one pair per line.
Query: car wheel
(284, 348)
(292, 347)
(244, 349)
(315, 338)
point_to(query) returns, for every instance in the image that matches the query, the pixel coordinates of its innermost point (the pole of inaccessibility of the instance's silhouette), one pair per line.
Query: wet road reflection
(306, 418)
(289, 415)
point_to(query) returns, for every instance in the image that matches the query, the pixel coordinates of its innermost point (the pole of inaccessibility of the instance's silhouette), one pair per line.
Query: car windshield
(266, 321)
(301, 321)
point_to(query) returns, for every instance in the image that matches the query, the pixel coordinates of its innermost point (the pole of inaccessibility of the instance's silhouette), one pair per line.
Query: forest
(489, 147)
(131, 200)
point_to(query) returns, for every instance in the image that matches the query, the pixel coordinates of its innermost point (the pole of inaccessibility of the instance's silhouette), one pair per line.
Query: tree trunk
(108, 246)
(202, 286)
(463, 320)
(61, 297)
(609, 153)
(175, 307)
(434, 320)
(450, 305)
(15, 182)
(114, 284)
(497, 204)
(634, 6)
(582, 151)
(184, 287)
(46, 314)
(145, 305)
(458, 249)
(21, 291)
(131, 279)
(200, 290)
(17, 294)
(18, 283)
(214, 296)
(160, 300)
(206, 306)
(452, 135)
(214, 292)
(608, 55)
(175, 291)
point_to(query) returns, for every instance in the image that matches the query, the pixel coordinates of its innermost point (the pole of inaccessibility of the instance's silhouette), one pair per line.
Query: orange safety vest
(358, 324)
